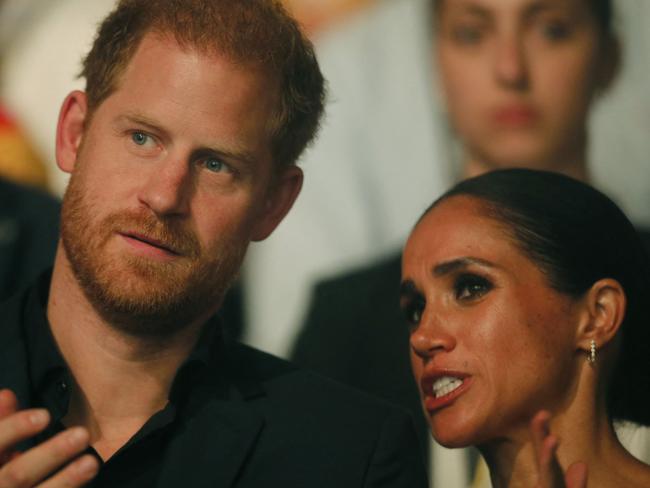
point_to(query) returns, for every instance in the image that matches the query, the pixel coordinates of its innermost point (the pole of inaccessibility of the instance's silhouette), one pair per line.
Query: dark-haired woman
(519, 78)
(528, 291)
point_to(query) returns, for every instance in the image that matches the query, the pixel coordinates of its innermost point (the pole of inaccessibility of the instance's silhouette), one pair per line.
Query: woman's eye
(471, 287)
(556, 31)
(468, 35)
(413, 312)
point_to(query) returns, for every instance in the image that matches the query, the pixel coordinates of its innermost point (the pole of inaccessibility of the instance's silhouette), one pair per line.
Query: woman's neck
(573, 165)
(585, 435)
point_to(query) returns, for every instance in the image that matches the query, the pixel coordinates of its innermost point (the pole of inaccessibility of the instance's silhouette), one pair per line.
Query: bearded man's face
(171, 179)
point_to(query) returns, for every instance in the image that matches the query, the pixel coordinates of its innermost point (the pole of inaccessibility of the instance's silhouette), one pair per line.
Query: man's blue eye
(213, 164)
(140, 138)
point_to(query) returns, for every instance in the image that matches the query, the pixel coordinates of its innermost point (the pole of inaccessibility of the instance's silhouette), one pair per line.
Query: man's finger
(21, 426)
(8, 403)
(41, 461)
(76, 474)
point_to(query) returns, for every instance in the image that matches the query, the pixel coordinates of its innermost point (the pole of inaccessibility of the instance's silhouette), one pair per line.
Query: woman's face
(491, 342)
(518, 77)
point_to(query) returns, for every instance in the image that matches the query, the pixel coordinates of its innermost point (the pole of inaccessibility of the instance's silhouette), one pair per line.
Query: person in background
(386, 130)
(317, 16)
(526, 296)
(29, 216)
(181, 151)
(518, 79)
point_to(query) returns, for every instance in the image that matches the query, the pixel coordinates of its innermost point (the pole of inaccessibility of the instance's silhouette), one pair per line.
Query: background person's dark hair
(259, 33)
(576, 235)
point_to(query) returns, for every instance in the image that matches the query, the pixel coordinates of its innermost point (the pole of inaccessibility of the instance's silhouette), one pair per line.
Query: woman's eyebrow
(448, 267)
(475, 9)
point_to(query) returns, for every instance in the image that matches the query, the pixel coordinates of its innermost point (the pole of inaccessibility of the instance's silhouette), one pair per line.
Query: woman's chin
(453, 438)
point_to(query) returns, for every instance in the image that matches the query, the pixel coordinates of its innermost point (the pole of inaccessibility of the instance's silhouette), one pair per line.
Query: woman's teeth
(445, 385)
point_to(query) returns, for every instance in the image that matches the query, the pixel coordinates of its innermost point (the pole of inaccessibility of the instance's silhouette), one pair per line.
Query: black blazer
(268, 424)
(355, 333)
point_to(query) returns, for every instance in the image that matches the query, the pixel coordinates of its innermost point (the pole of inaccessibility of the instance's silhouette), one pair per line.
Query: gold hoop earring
(592, 352)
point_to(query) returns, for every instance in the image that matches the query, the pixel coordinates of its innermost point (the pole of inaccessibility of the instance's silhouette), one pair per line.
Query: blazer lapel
(212, 447)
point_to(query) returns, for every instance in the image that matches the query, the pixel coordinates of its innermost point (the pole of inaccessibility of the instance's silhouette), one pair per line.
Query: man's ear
(279, 200)
(605, 305)
(70, 130)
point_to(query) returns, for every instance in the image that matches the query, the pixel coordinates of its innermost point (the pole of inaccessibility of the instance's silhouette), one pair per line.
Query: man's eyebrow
(244, 156)
(141, 120)
(448, 267)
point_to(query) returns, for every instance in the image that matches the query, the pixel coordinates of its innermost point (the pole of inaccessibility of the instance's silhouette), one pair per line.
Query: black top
(135, 464)
(235, 417)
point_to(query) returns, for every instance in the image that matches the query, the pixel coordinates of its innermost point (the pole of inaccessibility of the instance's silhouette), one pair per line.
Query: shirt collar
(45, 360)
(47, 365)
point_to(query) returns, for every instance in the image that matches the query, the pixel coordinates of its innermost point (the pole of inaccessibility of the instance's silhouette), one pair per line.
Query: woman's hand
(550, 471)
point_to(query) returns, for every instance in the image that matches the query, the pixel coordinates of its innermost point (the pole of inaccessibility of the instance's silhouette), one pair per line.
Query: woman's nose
(431, 337)
(510, 63)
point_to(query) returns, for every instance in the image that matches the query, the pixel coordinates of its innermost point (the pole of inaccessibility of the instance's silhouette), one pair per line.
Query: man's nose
(168, 187)
(510, 62)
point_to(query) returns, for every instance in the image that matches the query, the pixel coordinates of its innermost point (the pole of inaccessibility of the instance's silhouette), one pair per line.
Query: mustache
(170, 234)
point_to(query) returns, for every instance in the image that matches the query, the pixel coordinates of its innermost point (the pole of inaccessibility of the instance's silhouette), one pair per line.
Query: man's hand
(550, 471)
(37, 466)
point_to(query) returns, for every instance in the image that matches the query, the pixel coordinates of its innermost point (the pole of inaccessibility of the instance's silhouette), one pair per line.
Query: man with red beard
(181, 151)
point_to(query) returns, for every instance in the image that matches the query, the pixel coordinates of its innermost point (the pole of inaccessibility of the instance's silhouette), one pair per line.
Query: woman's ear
(605, 305)
(609, 64)
(70, 130)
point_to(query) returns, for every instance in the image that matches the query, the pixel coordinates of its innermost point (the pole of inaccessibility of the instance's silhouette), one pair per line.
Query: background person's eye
(469, 287)
(556, 31)
(466, 34)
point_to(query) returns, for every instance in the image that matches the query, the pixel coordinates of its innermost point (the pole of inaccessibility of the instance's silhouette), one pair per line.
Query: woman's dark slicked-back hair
(577, 236)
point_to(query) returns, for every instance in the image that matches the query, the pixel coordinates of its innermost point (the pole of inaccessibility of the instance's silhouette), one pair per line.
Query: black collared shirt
(138, 462)
(236, 417)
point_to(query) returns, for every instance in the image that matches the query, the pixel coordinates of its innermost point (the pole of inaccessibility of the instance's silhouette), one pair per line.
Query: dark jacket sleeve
(397, 461)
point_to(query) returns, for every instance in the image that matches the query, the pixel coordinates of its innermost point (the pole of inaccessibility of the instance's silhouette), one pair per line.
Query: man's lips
(142, 241)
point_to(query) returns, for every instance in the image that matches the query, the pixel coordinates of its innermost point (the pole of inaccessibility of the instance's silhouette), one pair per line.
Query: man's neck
(120, 380)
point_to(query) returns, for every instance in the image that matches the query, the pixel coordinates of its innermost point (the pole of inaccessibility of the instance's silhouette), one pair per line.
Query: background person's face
(483, 316)
(518, 77)
(171, 176)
